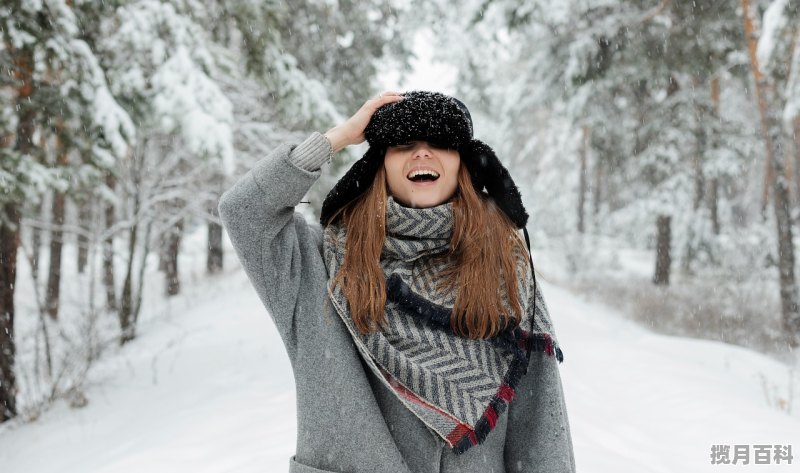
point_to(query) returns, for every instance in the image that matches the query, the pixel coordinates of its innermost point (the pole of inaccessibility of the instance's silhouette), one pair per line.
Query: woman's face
(421, 175)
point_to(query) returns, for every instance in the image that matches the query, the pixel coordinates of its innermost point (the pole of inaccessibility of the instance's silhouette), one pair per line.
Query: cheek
(393, 168)
(453, 166)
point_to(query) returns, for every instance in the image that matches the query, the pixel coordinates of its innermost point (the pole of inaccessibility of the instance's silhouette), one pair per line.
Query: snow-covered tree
(58, 92)
(644, 111)
(771, 62)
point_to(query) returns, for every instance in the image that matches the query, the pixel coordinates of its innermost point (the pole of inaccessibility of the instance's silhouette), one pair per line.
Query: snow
(207, 387)
(169, 65)
(639, 401)
(190, 102)
(774, 23)
(107, 114)
(428, 72)
(193, 379)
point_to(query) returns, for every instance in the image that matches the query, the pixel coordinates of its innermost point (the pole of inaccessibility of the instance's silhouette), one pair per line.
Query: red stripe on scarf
(458, 433)
(548, 344)
(505, 392)
(491, 416)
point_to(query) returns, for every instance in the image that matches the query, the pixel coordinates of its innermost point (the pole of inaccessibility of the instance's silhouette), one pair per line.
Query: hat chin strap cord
(533, 317)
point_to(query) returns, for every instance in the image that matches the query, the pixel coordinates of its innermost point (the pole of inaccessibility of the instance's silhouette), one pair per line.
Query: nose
(422, 149)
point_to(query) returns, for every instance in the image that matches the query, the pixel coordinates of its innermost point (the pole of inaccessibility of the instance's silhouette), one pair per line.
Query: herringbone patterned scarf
(456, 386)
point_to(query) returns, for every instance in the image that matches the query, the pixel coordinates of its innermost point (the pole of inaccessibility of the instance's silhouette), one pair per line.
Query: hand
(351, 132)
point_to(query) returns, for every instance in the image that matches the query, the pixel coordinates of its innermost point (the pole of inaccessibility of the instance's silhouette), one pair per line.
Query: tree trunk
(796, 134)
(142, 267)
(788, 291)
(9, 241)
(773, 136)
(690, 250)
(9, 237)
(788, 172)
(582, 185)
(127, 329)
(85, 224)
(128, 307)
(752, 43)
(36, 232)
(713, 188)
(597, 188)
(792, 166)
(173, 240)
(215, 255)
(663, 257)
(56, 244)
(36, 242)
(108, 251)
(699, 151)
(163, 245)
(54, 273)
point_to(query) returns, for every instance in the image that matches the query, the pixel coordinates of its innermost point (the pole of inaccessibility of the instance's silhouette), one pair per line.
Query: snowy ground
(208, 388)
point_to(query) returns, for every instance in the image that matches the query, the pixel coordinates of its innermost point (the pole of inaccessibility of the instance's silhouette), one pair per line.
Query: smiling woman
(420, 174)
(411, 316)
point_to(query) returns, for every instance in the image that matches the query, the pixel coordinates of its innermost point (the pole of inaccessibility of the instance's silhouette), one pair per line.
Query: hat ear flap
(486, 170)
(355, 182)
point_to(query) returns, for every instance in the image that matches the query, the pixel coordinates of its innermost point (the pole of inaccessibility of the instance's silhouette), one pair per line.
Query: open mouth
(423, 175)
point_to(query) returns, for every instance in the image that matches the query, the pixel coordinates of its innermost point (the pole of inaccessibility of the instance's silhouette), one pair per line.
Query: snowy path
(210, 390)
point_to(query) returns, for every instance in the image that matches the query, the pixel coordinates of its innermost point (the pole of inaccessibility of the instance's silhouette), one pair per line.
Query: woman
(418, 337)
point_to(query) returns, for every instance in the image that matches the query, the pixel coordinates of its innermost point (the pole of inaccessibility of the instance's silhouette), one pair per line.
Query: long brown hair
(483, 251)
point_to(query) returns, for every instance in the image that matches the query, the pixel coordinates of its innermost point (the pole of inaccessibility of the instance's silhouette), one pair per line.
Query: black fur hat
(436, 118)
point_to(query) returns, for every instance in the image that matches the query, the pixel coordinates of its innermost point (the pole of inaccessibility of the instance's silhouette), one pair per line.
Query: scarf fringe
(398, 291)
(543, 342)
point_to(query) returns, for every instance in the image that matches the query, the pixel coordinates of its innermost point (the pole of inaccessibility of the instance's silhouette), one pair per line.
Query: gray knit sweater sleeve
(312, 153)
(280, 251)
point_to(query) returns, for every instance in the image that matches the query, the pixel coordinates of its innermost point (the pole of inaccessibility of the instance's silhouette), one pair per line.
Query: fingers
(384, 98)
(355, 125)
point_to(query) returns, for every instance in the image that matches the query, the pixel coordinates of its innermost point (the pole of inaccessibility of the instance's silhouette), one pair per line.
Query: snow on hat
(436, 118)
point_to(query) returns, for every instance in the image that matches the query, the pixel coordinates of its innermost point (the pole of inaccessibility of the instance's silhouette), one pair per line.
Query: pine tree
(774, 93)
(59, 89)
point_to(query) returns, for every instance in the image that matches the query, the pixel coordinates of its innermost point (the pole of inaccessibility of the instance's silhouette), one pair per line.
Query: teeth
(420, 172)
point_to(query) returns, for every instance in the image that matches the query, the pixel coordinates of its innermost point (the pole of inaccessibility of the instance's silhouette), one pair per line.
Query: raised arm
(280, 252)
(273, 242)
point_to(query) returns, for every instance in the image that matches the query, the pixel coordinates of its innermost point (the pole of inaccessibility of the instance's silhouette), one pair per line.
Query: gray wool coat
(348, 421)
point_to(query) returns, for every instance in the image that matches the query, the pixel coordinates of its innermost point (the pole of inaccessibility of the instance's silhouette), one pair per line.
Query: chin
(424, 202)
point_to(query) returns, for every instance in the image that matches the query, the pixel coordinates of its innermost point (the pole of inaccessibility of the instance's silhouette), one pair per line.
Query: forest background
(656, 144)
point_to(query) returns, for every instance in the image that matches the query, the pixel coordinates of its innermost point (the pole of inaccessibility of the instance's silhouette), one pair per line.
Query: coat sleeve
(538, 436)
(279, 250)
